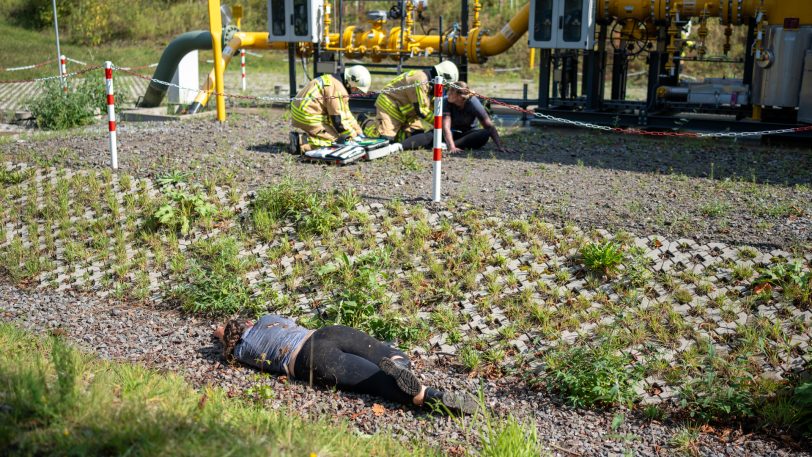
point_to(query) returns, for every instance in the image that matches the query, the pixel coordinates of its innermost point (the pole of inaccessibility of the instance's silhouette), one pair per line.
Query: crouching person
(322, 110)
(405, 102)
(334, 356)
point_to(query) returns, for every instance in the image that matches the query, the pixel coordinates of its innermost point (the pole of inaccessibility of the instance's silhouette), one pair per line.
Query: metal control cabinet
(562, 24)
(294, 20)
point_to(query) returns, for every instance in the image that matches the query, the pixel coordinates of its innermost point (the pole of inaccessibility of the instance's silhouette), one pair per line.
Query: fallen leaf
(378, 409)
(283, 379)
(763, 287)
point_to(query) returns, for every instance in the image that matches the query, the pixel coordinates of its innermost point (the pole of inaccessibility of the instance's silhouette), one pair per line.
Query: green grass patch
(57, 400)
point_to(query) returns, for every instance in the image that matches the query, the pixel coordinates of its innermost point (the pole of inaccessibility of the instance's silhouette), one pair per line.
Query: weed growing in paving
(358, 297)
(602, 258)
(589, 376)
(215, 282)
(790, 277)
(182, 210)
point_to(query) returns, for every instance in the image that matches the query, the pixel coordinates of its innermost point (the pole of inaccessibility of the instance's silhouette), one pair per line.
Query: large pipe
(171, 57)
(240, 40)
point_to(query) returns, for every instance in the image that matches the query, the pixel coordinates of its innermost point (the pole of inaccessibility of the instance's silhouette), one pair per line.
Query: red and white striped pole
(242, 66)
(63, 69)
(438, 138)
(111, 113)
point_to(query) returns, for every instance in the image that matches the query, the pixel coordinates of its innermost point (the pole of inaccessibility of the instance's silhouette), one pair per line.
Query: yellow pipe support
(216, 29)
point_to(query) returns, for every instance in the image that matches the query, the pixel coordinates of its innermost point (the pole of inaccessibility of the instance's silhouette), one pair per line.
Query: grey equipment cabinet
(294, 21)
(562, 24)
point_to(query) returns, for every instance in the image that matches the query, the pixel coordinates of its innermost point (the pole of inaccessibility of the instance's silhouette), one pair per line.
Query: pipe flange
(479, 57)
(228, 33)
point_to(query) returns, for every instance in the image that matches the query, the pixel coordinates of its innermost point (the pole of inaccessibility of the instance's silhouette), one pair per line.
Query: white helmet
(448, 71)
(358, 76)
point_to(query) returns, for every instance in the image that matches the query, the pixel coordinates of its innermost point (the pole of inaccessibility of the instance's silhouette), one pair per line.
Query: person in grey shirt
(335, 356)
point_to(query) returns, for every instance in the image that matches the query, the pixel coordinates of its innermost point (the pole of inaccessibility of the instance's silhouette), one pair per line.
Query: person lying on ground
(460, 110)
(333, 356)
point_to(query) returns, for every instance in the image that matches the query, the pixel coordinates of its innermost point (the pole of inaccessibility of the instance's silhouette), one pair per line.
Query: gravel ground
(167, 340)
(714, 190)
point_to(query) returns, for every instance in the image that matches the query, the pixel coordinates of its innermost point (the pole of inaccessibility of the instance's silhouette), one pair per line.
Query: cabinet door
(542, 24)
(277, 20)
(576, 24)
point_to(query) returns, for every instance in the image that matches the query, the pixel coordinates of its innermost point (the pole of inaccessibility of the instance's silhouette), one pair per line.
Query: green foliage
(295, 202)
(791, 278)
(589, 376)
(501, 436)
(182, 210)
(719, 390)
(358, 297)
(56, 400)
(11, 178)
(602, 258)
(215, 283)
(58, 110)
(802, 399)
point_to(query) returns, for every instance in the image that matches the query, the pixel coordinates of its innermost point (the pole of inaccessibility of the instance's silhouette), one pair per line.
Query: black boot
(399, 369)
(454, 402)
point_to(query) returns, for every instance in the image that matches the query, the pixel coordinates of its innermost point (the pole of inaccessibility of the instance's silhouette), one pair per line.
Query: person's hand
(455, 150)
(504, 149)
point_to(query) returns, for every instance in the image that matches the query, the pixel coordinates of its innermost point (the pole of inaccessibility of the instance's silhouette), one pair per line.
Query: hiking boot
(399, 369)
(295, 143)
(453, 402)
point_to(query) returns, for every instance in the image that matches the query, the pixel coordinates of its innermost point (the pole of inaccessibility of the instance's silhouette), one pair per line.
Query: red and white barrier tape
(437, 164)
(111, 113)
(26, 67)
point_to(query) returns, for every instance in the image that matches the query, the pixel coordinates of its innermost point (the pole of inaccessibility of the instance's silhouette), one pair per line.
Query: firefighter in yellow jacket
(399, 111)
(322, 109)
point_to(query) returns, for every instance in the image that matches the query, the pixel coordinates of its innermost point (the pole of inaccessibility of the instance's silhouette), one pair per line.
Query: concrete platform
(158, 114)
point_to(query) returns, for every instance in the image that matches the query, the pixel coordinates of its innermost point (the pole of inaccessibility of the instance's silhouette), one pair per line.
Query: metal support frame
(545, 60)
(292, 68)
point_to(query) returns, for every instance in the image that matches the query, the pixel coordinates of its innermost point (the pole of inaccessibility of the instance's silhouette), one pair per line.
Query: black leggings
(347, 358)
(472, 139)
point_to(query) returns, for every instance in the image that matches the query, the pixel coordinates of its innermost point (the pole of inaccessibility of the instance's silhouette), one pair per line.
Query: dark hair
(462, 90)
(231, 336)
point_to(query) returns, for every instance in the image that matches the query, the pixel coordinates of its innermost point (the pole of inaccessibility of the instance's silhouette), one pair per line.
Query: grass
(58, 400)
(399, 273)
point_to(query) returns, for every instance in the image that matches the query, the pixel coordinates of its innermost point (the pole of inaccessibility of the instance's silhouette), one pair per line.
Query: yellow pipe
(245, 40)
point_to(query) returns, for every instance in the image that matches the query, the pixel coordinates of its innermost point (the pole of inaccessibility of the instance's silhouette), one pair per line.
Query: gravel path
(167, 340)
(715, 190)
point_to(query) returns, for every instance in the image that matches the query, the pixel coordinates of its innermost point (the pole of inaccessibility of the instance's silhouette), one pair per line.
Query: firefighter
(399, 113)
(322, 109)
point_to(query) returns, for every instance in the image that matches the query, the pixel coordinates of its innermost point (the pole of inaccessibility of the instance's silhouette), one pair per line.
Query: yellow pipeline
(376, 43)
(726, 10)
(244, 40)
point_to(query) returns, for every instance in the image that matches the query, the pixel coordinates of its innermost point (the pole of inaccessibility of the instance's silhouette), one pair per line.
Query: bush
(802, 399)
(592, 376)
(58, 110)
(602, 258)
